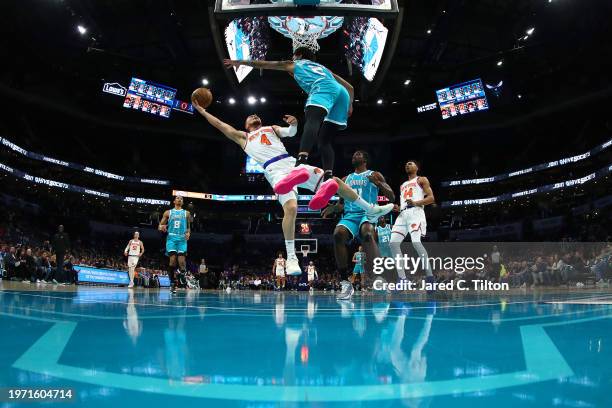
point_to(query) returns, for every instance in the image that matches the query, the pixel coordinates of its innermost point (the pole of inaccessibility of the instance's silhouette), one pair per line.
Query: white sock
(363, 204)
(290, 246)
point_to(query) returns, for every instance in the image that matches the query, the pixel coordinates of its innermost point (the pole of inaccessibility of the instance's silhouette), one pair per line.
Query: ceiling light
(82, 30)
(407, 82)
(500, 63)
(252, 100)
(380, 101)
(262, 100)
(205, 81)
(231, 101)
(428, 31)
(530, 31)
(520, 96)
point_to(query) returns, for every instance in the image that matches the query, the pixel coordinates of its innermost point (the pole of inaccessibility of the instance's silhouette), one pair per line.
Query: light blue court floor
(249, 349)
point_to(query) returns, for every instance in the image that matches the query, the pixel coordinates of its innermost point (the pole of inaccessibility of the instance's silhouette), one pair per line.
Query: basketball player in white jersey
(278, 270)
(133, 251)
(415, 194)
(264, 145)
(312, 273)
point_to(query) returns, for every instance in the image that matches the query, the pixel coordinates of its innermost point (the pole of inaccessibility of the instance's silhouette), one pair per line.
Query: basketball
(202, 96)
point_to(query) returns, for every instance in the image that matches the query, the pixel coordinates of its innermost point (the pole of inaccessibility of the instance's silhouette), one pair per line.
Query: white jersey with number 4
(411, 189)
(411, 220)
(134, 248)
(264, 144)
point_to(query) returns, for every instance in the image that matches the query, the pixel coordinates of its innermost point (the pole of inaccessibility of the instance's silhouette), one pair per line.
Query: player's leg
(313, 119)
(346, 228)
(172, 270)
(415, 237)
(335, 121)
(341, 237)
(131, 269)
(289, 203)
(325, 191)
(373, 211)
(398, 234)
(366, 234)
(327, 135)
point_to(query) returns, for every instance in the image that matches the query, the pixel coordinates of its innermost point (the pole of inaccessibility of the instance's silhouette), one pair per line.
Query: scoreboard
(461, 99)
(150, 97)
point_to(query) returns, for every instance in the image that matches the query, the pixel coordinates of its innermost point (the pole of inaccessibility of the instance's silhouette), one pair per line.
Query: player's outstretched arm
(163, 224)
(276, 65)
(289, 131)
(228, 130)
(379, 180)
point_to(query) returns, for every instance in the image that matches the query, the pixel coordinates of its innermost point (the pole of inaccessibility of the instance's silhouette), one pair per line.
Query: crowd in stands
(28, 252)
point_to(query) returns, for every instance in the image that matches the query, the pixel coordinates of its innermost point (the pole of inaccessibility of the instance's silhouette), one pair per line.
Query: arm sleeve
(289, 131)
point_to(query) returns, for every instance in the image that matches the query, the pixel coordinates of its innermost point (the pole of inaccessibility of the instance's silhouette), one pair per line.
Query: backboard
(243, 8)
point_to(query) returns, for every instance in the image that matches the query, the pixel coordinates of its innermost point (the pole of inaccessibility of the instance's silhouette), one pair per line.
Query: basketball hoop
(305, 39)
(304, 249)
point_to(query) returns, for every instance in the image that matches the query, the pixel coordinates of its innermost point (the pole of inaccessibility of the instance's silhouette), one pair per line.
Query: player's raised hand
(230, 63)
(197, 106)
(289, 119)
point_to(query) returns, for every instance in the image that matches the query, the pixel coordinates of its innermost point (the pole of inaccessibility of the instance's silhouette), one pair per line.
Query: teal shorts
(332, 97)
(176, 245)
(385, 250)
(358, 269)
(353, 221)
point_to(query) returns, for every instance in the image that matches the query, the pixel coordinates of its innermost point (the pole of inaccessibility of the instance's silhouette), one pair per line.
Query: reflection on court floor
(248, 349)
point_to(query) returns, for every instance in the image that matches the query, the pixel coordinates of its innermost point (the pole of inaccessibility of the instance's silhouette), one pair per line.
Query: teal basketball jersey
(177, 223)
(384, 238)
(364, 188)
(384, 234)
(306, 73)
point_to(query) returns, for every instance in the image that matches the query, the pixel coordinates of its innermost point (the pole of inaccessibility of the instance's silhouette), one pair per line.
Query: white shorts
(310, 278)
(279, 170)
(280, 272)
(132, 261)
(411, 221)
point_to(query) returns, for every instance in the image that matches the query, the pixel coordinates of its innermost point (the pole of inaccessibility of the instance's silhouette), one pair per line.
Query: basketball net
(305, 39)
